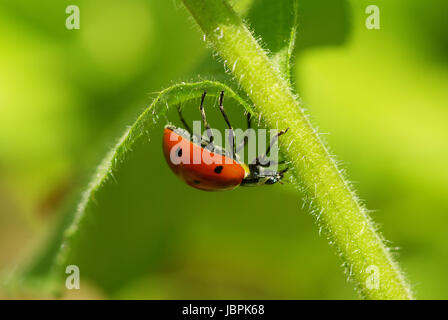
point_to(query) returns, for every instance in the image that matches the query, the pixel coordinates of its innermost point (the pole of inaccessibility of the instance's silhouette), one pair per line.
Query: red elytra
(227, 174)
(180, 148)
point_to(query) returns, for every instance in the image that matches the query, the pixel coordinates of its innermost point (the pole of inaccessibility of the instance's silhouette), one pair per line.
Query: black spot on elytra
(196, 181)
(179, 152)
(218, 169)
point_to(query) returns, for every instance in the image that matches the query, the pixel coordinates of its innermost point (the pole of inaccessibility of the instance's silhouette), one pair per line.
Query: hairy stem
(369, 263)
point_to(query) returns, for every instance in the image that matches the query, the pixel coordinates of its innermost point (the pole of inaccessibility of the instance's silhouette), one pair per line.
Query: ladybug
(225, 172)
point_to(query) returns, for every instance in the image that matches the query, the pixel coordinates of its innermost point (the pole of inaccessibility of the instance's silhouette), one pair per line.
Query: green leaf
(286, 28)
(314, 23)
(119, 231)
(322, 23)
(275, 22)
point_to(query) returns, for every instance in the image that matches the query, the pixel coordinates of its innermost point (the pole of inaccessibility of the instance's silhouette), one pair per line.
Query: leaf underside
(71, 239)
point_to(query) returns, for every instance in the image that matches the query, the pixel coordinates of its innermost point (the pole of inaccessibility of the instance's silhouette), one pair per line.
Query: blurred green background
(66, 96)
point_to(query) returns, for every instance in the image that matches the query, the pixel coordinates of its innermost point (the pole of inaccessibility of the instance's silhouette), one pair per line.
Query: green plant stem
(331, 199)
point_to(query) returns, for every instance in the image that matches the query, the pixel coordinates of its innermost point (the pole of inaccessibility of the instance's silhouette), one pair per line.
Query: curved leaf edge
(166, 98)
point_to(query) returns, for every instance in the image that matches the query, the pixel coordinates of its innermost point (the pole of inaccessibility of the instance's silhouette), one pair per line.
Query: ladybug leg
(231, 135)
(179, 110)
(204, 119)
(242, 143)
(245, 139)
(273, 140)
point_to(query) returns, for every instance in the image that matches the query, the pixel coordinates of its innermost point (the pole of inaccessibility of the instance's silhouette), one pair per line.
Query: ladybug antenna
(245, 139)
(281, 174)
(179, 111)
(226, 119)
(249, 122)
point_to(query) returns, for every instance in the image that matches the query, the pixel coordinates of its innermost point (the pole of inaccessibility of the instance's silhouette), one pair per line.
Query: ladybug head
(259, 175)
